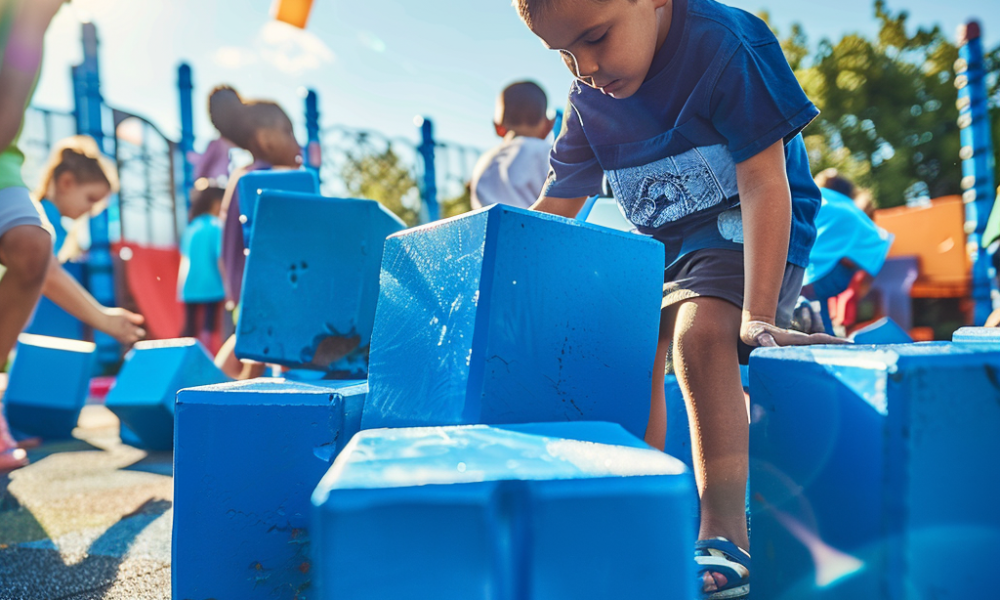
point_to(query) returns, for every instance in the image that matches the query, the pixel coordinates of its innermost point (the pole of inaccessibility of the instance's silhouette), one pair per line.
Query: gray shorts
(16, 209)
(719, 273)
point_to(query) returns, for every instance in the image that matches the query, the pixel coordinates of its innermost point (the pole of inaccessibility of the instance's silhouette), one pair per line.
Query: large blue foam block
(510, 316)
(312, 282)
(48, 385)
(978, 335)
(554, 510)
(248, 455)
(144, 393)
(872, 470)
(884, 331)
(253, 184)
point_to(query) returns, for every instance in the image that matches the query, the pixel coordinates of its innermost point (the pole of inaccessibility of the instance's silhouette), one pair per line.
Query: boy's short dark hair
(203, 198)
(523, 103)
(530, 10)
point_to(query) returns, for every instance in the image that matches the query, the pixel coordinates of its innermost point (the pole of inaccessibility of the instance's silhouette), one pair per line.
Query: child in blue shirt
(691, 113)
(200, 280)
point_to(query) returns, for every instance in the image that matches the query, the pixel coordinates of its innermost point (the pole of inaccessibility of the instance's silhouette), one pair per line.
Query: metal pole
(977, 162)
(313, 149)
(89, 115)
(185, 87)
(428, 191)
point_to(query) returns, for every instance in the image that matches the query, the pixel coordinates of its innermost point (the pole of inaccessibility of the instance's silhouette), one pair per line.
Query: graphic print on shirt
(672, 188)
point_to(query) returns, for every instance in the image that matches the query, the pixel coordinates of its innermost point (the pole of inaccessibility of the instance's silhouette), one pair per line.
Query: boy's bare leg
(656, 429)
(25, 251)
(707, 367)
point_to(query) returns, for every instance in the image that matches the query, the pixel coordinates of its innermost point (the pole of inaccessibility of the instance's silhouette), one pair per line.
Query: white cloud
(291, 49)
(234, 57)
(283, 46)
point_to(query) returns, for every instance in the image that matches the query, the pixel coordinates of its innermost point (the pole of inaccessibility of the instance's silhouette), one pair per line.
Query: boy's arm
(61, 288)
(766, 203)
(22, 59)
(564, 207)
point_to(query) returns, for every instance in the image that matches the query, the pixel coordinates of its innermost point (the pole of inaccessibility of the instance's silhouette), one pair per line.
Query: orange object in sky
(293, 12)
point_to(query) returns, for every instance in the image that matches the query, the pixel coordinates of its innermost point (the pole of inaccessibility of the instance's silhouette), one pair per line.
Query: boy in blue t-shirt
(691, 113)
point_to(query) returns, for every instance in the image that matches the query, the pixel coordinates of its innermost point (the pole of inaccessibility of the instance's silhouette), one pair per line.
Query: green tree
(381, 176)
(888, 107)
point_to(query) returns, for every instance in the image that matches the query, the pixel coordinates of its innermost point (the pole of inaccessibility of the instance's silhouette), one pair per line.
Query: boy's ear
(500, 129)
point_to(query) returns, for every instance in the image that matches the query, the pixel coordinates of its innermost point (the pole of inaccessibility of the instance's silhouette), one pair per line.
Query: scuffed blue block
(978, 335)
(868, 470)
(248, 455)
(881, 332)
(48, 385)
(510, 316)
(312, 282)
(554, 510)
(144, 392)
(252, 184)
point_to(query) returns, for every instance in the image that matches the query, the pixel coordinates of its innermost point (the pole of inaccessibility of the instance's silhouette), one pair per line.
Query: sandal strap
(721, 556)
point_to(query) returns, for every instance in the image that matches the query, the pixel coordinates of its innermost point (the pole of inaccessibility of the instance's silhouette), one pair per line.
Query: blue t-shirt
(719, 92)
(844, 231)
(200, 279)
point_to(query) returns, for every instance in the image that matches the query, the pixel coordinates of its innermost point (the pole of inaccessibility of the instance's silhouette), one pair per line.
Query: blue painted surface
(978, 162)
(979, 335)
(252, 184)
(555, 510)
(510, 316)
(883, 331)
(870, 470)
(48, 385)
(51, 320)
(311, 283)
(144, 392)
(247, 458)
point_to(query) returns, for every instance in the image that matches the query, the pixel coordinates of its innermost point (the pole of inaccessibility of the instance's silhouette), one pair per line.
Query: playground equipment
(312, 281)
(248, 456)
(144, 392)
(977, 163)
(40, 403)
(865, 469)
(132, 259)
(517, 511)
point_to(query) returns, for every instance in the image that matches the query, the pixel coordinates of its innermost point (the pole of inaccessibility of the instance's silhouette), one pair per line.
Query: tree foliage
(888, 107)
(383, 177)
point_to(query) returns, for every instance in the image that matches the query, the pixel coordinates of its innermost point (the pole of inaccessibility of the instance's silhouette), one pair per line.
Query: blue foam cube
(554, 510)
(311, 282)
(48, 385)
(871, 470)
(248, 456)
(884, 331)
(144, 392)
(978, 335)
(252, 185)
(509, 316)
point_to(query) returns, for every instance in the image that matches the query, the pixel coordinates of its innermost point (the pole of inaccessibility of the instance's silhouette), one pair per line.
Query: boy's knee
(26, 252)
(699, 333)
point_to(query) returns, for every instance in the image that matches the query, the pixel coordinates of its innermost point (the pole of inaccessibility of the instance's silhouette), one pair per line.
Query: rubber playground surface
(89, 518)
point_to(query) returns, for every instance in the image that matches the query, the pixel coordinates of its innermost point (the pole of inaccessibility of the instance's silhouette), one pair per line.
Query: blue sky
(375, 63)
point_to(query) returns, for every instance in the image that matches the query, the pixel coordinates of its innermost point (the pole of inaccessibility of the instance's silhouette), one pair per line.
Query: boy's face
(608, 45)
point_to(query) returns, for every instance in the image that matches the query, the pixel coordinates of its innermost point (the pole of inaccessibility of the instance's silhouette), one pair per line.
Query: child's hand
(760, 333)
(123, 325)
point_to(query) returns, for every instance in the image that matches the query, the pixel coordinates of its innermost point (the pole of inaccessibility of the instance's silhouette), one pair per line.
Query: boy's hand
(123, 325)
(763, 334)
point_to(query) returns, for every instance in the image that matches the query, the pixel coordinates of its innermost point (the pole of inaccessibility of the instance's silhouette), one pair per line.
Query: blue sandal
(719, 555)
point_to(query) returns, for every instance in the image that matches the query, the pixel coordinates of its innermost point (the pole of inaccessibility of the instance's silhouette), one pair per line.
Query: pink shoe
(14, 458)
